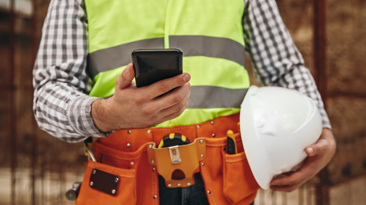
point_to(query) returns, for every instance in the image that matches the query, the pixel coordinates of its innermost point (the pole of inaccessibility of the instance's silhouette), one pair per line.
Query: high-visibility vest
(209, 32)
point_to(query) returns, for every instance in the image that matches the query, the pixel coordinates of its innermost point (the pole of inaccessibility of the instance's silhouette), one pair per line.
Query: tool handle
(231, 143)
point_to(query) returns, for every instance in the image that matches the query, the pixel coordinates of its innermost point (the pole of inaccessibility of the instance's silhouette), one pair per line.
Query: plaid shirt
(62, 106)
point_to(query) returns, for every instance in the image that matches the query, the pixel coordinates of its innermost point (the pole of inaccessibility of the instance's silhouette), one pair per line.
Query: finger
(285, 188)
(172, 103)
(300, 176)
(166, 112)
(174, 114)
(311, 150)
(177, 108)
(286, 179)
(157, 117)
(166, 85)
(126, 77)
(318, 147)
(175, 97)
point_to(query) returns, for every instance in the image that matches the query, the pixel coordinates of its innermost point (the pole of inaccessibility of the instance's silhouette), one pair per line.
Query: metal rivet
(132, 163)
(152, 161)
(202, 164)
(149, 131)
(155, 197)
(116, 179)
(198, 127)
(129, 131)
(202, 155)
(213, 135)
(188, 184)
(128, 145)
(212, 122)
(94, 171)
(169, 185)
(113, 191)
(178, 184)
(91, 183)
(208, 192)
(201, 141)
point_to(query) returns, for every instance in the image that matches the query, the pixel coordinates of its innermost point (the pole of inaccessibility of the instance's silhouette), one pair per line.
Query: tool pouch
(102, 184)
(184, 159)
(114, 178)
(237, 179)
(228, 178)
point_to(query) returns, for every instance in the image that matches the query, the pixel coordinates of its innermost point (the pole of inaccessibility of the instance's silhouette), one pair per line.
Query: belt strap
(130, 140)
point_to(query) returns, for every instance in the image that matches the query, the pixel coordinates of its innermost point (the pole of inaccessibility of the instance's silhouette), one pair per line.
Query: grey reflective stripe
(215, 97)
(117, 56)
(209, 46)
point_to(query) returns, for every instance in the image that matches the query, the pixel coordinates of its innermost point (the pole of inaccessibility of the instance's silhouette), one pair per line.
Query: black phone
(152, 65)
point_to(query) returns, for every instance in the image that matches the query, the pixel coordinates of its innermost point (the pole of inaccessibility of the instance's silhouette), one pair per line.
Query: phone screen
(152, 65)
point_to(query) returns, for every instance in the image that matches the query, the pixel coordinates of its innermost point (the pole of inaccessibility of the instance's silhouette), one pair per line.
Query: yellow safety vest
(209, 32)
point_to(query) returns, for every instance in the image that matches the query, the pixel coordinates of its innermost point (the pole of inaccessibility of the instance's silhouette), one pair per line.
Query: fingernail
(310, 150)
(186, 77)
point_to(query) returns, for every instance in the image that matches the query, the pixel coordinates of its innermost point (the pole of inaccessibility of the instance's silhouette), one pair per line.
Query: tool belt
(128, 165)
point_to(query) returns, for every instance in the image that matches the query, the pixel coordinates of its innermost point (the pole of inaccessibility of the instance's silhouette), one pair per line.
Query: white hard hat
(276, 126)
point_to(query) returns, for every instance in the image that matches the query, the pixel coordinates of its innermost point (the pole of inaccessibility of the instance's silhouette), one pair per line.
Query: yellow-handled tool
(231, 143)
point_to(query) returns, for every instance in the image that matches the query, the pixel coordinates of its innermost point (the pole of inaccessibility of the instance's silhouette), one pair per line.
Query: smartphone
(152, 65)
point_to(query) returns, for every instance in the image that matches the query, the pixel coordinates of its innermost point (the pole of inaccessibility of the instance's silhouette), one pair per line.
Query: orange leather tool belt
(128, 165)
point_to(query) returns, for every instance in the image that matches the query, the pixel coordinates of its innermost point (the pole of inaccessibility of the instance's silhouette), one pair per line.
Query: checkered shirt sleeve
(62, 106)
(275, 59)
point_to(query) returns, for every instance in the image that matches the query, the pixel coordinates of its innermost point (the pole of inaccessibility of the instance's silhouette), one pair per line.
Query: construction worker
(84, 87)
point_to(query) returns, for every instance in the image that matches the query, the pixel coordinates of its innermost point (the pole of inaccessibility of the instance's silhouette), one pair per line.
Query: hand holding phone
(132, 107)
(152, 65)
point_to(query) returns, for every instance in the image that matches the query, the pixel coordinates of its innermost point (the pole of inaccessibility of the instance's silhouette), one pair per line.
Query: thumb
(126, 77)
(316, 148)
(311, 150)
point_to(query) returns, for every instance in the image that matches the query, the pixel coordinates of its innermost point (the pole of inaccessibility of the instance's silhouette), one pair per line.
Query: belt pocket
(103, 184)
(239, 183)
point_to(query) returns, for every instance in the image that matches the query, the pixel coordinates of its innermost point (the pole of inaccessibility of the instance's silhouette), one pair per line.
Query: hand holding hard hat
(277, 124)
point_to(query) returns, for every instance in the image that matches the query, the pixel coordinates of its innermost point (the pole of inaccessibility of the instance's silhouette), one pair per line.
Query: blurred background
(36, 168)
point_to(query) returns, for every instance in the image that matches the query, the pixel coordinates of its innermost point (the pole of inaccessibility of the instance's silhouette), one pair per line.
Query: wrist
(100, 112)
(329, 137)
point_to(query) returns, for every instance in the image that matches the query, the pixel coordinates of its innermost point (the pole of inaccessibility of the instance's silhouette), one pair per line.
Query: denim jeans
(193, 195)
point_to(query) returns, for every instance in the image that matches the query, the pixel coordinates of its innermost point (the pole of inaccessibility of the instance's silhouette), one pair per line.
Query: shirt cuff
(325, 118)
(80, 118)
